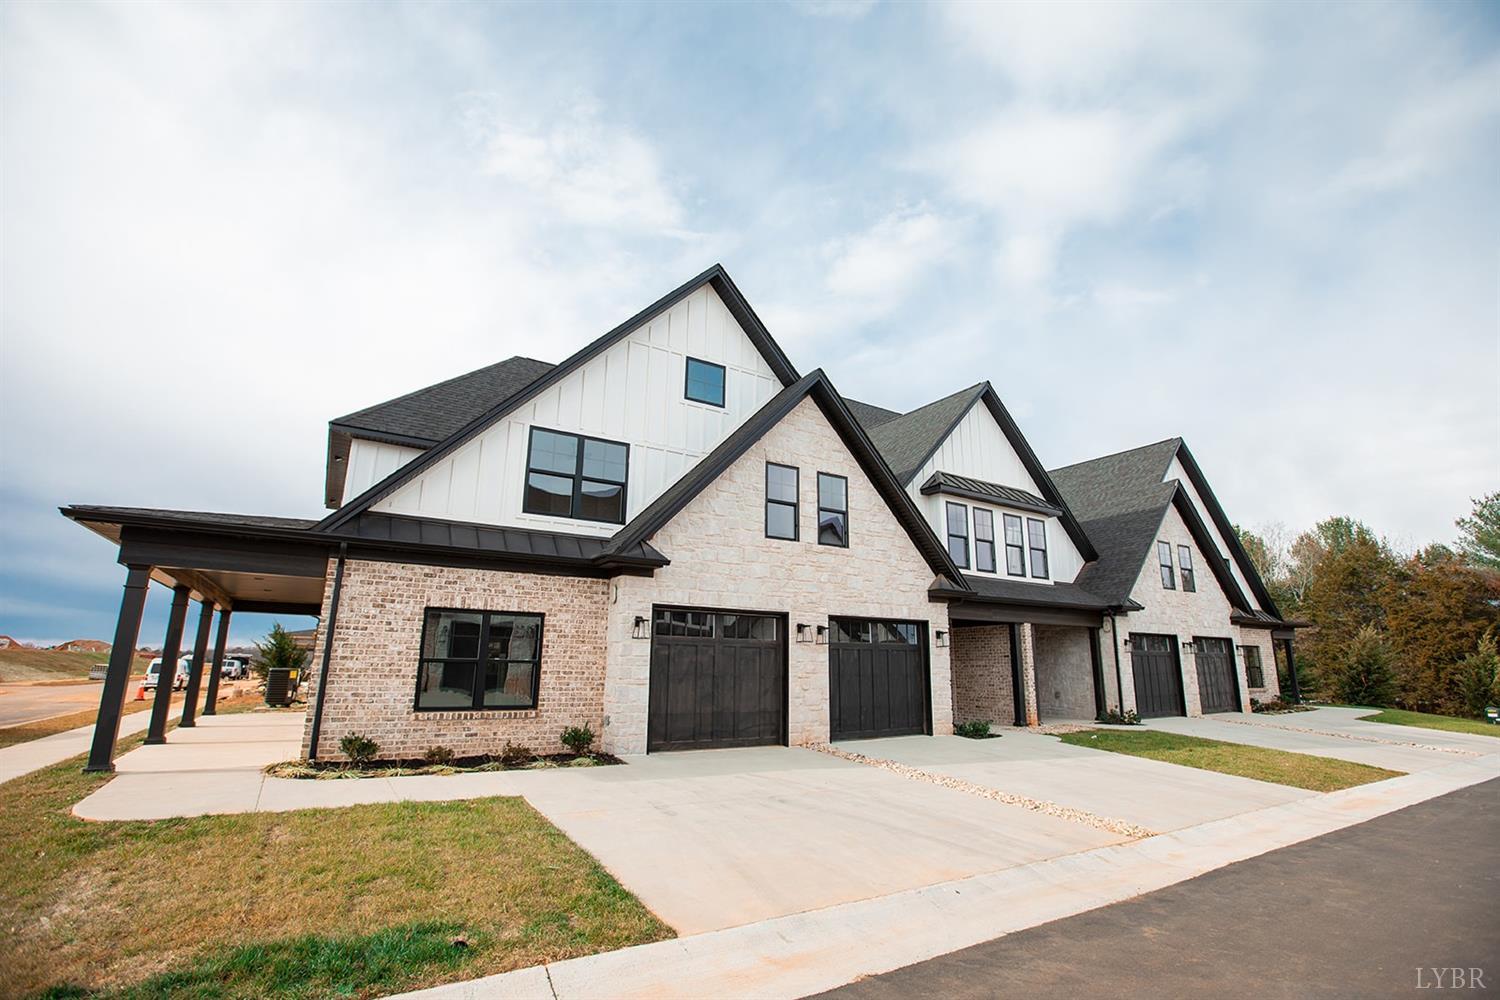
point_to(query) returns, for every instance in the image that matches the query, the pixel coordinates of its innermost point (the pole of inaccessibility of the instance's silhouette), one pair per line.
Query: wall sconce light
(804, 633)
(821, 638)
(1187, 648)
(640, 631)
(940, 638)
(1125, 644)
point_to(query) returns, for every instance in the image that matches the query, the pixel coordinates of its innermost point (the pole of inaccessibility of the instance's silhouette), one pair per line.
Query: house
(677, 538)
(6, 642)
(83, 646)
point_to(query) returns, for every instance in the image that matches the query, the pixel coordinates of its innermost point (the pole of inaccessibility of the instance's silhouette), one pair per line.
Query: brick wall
(1261, 638)
(373, 670)
(1064, 673)
(981, 675)
(722, 559)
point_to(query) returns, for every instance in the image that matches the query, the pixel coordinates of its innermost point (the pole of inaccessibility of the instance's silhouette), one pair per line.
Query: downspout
(1114, 641)
(333, 617)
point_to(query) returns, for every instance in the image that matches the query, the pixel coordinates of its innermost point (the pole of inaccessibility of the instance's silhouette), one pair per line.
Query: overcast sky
(1269, 229)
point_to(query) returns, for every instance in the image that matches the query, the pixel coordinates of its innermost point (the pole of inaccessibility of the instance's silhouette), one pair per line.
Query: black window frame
(1258, 679)
(578, 477)
(978, 541)
(1020, 550)
(1164, 558)
(1185, 569)
(833, 510)
(1032, 549)
(687, 382)
(948, 507)
(482, 661)
(796, 504)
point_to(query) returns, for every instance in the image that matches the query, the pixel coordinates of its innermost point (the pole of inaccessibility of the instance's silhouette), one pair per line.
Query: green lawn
(1427, 720)
(354, 902)
(1300, 770)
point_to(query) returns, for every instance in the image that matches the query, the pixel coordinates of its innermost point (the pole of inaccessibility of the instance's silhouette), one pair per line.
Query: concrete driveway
(718, 838)
(1153, 794)
(1393, 752)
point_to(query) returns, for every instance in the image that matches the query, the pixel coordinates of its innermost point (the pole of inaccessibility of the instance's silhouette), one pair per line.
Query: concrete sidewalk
(808, 953)
(23, 758)
(1236, 728)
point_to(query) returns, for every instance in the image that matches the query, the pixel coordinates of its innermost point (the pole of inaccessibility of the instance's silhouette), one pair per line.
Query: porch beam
(1096, 660)
(171, 649)
(195, 672)
(216, 667)
(117, 675)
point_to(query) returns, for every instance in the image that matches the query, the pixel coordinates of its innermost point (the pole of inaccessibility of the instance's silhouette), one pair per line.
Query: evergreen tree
(1479, 533)
(1364, 676)
(279, 650)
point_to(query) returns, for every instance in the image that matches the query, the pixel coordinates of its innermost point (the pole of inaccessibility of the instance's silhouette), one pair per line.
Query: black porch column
(216, 668)
(195, 672)
(117, 676)
(171, 649)
(1017, 680)
(1291, 672)
(1096, 660)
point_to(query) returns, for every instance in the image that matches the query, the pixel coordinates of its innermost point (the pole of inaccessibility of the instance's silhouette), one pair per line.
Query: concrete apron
(806, 953)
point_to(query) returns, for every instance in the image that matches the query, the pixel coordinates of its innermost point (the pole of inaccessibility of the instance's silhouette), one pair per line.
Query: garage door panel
(717, 680)
(1157, 673)
(876, 688)
(1218, 681)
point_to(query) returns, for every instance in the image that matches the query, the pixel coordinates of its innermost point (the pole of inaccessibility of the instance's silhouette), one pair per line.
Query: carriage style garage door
(1158, 679)
(877, 678)
(1218, 689)
(718, 679)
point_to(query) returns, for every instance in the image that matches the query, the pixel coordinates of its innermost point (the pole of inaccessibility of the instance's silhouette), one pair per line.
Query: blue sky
(1267, 228)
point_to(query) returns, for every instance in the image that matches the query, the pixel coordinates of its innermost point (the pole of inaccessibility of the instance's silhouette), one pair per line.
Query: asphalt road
(1355, 913)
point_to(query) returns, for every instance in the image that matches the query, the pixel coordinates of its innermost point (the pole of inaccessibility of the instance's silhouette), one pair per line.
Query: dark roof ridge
(1117, 454)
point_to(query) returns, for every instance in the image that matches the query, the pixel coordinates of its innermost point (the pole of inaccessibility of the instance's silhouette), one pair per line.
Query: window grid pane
(1015, 552)
(958, 534)
(478, 659)
(1037, 530)
(1164, 554)
(705, 382)
(569, 475)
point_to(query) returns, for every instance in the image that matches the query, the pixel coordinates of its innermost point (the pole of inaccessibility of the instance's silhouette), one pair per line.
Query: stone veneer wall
(1204, 612)
(1064, 673)
(982, 688)
(373, 670)
(722, 559)
(1261, 638)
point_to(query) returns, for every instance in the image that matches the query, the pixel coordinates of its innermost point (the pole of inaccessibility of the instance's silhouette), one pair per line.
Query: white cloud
(885, 261)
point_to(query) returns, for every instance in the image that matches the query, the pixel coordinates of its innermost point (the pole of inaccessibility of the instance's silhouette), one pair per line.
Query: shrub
(578, 739)
(515, 755)
(360, 749)
(278, 651)
(1130, 717)
(976, 730)
(437, 756)
(1365, 675)
(1478, 677)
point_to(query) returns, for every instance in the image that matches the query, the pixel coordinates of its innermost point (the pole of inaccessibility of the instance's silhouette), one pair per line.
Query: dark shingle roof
(1061, 595)
(978, 489)
(1123, 542)
(910, 439)
(1114, 484)
(431, 414)
(868, 414)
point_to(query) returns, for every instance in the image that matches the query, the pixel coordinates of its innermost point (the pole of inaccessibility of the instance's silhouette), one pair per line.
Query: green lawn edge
(1281, 767)
(1427, 720)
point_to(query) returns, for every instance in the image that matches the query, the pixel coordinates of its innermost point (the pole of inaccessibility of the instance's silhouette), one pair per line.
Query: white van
(184, 664)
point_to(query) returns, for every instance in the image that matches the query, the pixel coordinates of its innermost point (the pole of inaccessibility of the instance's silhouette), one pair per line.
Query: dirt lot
(51, 665)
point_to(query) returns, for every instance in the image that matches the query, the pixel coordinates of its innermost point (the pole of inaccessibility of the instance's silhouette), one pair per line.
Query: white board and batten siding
(979, 449)
(370, 462)
(1177, 472)
(632, 392)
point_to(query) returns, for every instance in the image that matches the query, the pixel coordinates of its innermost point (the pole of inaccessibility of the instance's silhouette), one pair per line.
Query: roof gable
(714, 277)
(817, 386)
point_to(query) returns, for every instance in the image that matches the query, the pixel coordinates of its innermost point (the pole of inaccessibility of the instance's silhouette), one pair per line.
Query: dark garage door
(718, 679)
(877, 679)
(1158, 680)
(1218, 690)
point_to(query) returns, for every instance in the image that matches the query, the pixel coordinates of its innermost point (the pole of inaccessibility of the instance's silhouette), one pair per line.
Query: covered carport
(223, 563)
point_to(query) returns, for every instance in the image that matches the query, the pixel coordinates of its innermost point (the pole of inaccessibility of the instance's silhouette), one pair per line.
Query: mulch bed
(326, 770)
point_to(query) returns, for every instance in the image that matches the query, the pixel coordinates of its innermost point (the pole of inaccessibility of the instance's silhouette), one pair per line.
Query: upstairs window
(475, 660)
(705, 382)
(1037, 532)
(569, 475)
(1185, 567)
(781, 501)
(1255, 673)
(1164, 555)
(984, 540)
(833, 510)
(958, 534)
(1015, 546)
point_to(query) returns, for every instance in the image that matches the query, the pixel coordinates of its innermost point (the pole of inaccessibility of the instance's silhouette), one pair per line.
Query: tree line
(1412, 630)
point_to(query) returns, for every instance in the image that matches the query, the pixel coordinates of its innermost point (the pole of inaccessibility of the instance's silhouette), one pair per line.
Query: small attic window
(705, 382)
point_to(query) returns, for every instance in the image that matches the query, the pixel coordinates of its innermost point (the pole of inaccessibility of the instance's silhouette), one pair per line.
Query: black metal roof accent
(1046, 595)
(158, 517)
(978, 489)
(817, 386)
(715, 276)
